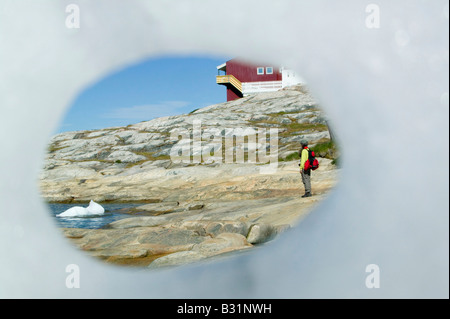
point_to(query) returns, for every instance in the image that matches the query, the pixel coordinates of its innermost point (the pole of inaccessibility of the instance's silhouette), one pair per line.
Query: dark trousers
(306, 179)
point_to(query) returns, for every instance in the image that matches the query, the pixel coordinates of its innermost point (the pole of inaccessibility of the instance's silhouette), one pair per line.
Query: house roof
(222, 67)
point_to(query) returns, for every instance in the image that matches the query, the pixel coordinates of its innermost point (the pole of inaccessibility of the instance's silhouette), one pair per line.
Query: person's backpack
(312, 162)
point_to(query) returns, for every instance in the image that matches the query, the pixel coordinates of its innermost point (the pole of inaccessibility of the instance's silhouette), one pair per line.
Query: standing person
(306, 174)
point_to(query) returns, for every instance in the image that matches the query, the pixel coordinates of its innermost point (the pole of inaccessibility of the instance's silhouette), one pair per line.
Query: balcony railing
(249, 87)
(229, 79)
(257, 87)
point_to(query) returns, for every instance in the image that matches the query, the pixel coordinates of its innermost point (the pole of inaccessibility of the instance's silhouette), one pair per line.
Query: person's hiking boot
(307, 195)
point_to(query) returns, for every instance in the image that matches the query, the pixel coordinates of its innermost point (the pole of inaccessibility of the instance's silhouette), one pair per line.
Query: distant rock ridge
(135, 162)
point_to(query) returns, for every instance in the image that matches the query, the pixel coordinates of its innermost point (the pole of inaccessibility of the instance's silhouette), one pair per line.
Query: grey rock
(177, 259)
(224, 242)
(311, 137)
(67, 172)
(122, 252)
(139, 138)
(159, 208)
(132, 222)
(196, 206)
(125, 157)
(97, 133)
(261, 233)
(62, 137)
(216, 227)
(169, 236)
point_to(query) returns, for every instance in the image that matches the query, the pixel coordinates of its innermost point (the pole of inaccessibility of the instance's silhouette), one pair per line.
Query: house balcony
(229, 79)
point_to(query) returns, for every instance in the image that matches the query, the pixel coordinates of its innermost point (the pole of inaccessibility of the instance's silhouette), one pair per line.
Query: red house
(242, 79)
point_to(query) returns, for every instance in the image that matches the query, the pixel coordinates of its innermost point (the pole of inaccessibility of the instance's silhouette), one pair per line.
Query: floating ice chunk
(95, 209)
(77, 211)
(74, 212)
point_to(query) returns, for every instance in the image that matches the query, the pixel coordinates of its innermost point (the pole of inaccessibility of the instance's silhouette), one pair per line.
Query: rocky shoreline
(171, 233)
(201, 206)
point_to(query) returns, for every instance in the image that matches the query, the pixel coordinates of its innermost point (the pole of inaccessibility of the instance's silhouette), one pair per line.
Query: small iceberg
(92, 210)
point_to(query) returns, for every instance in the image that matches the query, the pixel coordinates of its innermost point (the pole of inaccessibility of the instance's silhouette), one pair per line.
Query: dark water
(112, 213)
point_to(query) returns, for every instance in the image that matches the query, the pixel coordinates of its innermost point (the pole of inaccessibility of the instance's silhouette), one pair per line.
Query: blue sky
(154, 88)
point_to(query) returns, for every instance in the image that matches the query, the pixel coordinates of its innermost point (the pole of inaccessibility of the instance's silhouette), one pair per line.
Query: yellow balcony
(229, 79)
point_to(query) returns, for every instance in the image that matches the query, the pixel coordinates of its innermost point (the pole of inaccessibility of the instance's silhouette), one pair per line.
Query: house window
(260, 70)
(269, 70)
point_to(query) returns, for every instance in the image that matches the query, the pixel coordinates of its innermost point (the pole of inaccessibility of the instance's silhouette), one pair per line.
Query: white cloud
(149, 111)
